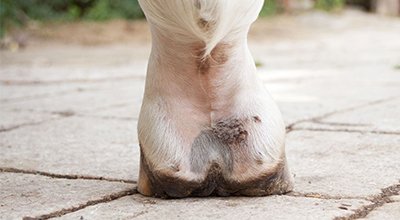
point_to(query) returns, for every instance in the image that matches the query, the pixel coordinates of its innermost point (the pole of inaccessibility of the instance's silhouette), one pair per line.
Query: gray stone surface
(36, 90)
(78, 62)
(352, 60)
(24, 195)
(84, 101)
(75, 145)
(69, 110)
(274, 207)
(383, 117)
(29, 91)
(12, 120)
(343, 164)
(130, 110)
(321, 92)
(389, 211)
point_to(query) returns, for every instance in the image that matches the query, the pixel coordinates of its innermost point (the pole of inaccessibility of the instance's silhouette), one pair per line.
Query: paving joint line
(347, 130)
(54, 94)
(27, 125)
(69, 112)
(122, 104)
(108, 117)
(65, 211)
(368, 104)
(47, 95)
(21, 125)
(340, 124)
(377, 201)
(322, 196)
(38, 82)
(290, 126)
(64, 176)
(62, 114)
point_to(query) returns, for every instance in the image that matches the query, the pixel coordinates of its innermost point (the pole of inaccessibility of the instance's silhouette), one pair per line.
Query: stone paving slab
(273, 207)
(343, 164)
(74, 145)
(11, 119)
(14, 93)
(52, 74)
(389, 211)
(315, 96)
(382, 117)
(74, 57)
(337, 42)
(24, 195)
(129, 110)
(84, 101)
(32, 90)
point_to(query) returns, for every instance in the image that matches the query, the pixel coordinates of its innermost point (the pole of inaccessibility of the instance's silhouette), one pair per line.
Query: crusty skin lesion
(231, 131)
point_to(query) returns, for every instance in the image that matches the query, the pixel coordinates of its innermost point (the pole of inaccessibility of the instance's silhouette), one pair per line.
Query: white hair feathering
(209, 21)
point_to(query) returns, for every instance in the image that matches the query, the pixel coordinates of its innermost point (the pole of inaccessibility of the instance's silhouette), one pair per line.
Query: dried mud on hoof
(274, 182)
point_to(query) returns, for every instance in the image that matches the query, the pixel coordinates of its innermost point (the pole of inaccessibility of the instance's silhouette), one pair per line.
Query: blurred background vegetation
(20, 12)
(14, 13)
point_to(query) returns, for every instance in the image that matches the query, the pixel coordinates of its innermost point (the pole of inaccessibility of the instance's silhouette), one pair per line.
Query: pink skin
(196, 94)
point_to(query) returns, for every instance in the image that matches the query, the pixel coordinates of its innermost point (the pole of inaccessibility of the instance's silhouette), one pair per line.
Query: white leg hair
(181, 17)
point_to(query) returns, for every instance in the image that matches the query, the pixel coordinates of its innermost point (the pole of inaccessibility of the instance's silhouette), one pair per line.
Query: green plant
(258, 63)
(9, 16)
(270, 7)
(101, 11)
(329, 5)
(19, 12)
(109, 9)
